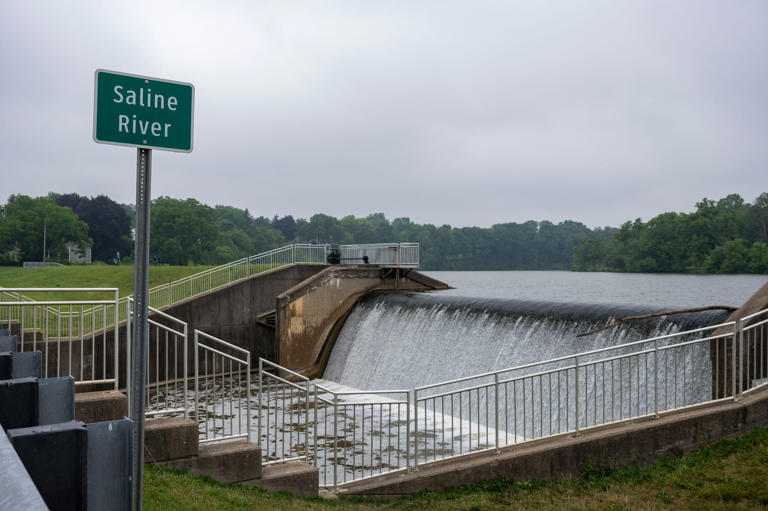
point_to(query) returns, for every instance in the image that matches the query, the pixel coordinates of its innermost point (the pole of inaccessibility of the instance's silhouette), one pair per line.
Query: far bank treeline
(726, 236)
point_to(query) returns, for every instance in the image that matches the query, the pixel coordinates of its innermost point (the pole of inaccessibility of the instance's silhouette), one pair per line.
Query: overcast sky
(466, 113)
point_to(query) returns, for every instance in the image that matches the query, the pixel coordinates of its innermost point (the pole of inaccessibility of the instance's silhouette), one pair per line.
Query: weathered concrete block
(169, 439)
(229, 462)
(297, 478)
(100, 406)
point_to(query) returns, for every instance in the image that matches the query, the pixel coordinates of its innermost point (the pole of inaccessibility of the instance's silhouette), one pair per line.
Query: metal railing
(352, 435)
(391, 255)
(348, 435)
(385, 254)
(222, 389)
(361, 434)
(76, 337)
(753, 350)
(167, 371)
(278, 386)
(566, 394)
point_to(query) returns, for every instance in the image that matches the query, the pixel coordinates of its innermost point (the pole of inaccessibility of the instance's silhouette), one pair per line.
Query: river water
(644, 289)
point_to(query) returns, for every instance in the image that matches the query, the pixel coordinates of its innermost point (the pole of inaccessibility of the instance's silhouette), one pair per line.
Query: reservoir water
(643, 289)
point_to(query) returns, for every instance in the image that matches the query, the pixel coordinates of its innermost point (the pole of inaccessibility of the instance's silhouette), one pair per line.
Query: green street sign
(140, 111)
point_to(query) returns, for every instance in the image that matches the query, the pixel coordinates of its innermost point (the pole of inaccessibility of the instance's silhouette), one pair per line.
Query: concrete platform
(169, 439)
(227, 462)
(296, 478)
(100, 406)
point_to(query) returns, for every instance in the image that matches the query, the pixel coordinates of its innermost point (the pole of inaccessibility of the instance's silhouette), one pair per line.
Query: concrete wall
(308, 314)
(230, 313)
(613, 446)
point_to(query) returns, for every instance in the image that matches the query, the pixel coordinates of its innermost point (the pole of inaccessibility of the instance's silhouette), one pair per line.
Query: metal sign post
(140, 325)
(146, 113)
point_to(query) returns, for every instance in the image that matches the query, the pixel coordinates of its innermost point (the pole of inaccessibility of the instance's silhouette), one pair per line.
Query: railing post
(306, 423)
(576, 394)
(335, 439)
(248, 396)
(407, 430)
(117, 337)
(186, 370)
(197, 383)
(741, 358)
(496, 399)
(734, 393)
(416, 427)
(314, 432)
(655, 379)
(258, 418)
(128, 376)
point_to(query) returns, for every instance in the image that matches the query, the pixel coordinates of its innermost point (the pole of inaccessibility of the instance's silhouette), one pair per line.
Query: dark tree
(109, 226)
(286, 225)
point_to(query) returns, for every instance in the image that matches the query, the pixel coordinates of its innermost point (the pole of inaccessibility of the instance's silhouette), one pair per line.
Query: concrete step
(100, 406)
(299, 479)
(169, 439)
(227, 462)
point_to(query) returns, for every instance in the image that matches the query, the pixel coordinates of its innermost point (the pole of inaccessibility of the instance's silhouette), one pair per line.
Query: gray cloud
(446, 112)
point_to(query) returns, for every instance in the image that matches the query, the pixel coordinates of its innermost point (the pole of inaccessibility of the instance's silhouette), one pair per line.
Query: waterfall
(407, 340)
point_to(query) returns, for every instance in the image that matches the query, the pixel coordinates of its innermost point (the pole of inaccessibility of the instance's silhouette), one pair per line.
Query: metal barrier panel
(285, 429)
(395, 255)
(348, 435)
(567, 394)
(753, 340)
(167, 371)
(361, 434)
(310, 254)
(76, 337)
(222, 389)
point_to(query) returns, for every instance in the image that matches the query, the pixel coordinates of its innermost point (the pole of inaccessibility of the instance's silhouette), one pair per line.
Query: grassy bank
(729, 475)
(97, 275)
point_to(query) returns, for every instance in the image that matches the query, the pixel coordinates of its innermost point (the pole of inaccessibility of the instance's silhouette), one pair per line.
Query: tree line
(724, 236)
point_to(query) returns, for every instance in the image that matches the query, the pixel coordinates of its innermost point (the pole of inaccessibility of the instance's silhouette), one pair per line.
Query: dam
(368, 372)
(471, 375)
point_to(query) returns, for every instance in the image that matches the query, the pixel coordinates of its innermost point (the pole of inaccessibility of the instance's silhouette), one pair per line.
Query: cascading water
(415, 340)
(404, 341)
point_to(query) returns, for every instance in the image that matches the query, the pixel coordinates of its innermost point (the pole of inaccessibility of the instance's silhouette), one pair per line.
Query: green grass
(97, 275)
(729, 475)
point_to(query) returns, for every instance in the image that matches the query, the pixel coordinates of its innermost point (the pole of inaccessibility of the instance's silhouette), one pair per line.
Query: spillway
(408, 340)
